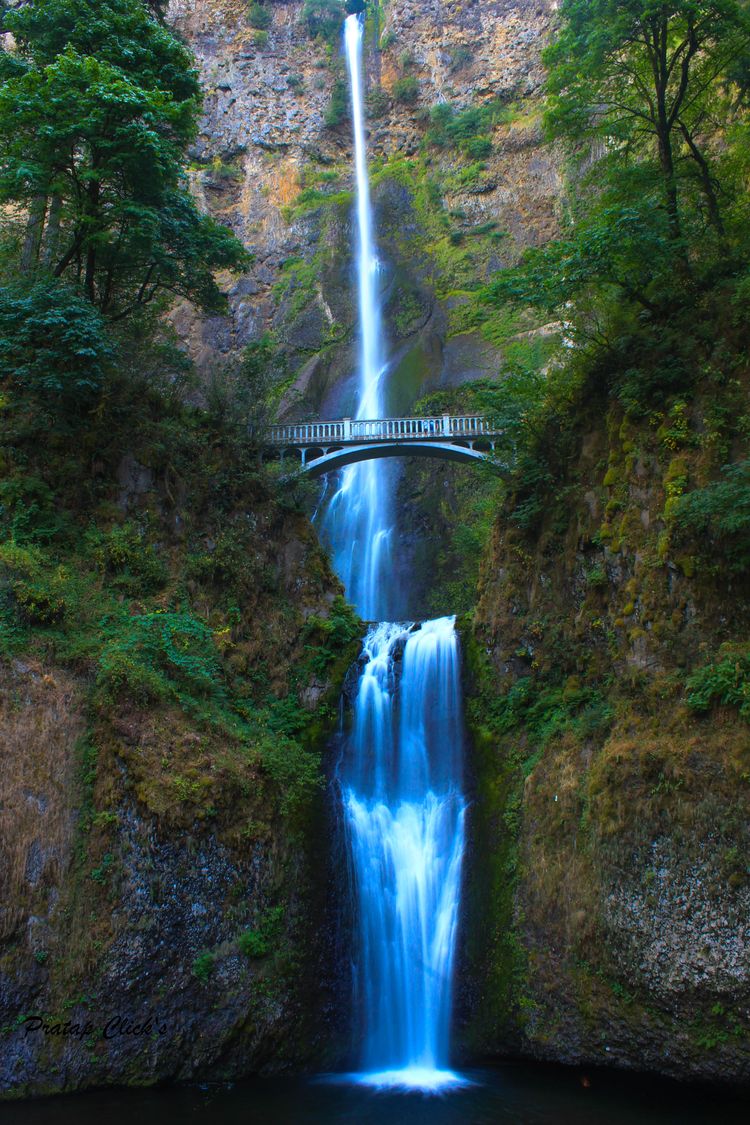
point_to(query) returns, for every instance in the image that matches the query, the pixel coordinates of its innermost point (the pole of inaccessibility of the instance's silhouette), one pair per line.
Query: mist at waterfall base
(401, 771)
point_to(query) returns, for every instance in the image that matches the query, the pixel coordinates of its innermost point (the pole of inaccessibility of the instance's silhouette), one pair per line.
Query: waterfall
(405, 823)
(400, 774)
(357, 522)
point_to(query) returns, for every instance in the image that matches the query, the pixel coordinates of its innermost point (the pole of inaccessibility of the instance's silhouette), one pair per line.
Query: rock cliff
(612, 768)
(275, 162)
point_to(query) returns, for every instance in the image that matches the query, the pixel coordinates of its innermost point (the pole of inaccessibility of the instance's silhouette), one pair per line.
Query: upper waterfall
(358, 522)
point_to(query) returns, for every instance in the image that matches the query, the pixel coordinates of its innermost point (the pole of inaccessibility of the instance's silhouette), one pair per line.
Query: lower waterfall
(404, 814)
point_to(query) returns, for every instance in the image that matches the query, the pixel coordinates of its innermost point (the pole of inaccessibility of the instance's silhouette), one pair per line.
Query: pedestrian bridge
(326, 446)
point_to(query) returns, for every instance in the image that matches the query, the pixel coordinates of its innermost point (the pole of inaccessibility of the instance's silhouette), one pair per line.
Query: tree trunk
(52, 233)
(707, 182)
(89, 281)
(33, 237)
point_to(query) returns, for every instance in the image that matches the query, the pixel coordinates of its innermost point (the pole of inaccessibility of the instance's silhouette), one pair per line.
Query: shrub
(159, 655)
(41, 602)
(53, 345)
(727, 682)
(406, 90)
(296, 772)
(465, 129)
(260, 941)
(124, 553)
(30, 511)
(478, 148)
(259, 16)
(378, 102)
(252, 944)
(716, 519)
(338, 109)
(323, 18)
(204, 965)
(460, 56)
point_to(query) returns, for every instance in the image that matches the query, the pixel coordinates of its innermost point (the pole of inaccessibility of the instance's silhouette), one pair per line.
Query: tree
(53, 346)
(102, 183)
(649, 78)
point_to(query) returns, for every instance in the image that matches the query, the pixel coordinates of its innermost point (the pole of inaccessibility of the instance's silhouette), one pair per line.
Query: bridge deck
(441, 428)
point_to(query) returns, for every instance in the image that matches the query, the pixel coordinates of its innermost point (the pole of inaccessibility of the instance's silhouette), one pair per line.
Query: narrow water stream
(357, 521)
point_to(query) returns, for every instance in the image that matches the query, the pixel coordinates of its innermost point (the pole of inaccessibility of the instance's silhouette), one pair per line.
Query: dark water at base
(509, 1095)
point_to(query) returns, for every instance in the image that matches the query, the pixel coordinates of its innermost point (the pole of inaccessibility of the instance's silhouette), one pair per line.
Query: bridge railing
(440, 427)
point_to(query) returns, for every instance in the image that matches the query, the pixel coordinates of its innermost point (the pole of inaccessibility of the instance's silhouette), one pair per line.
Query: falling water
(357, 522)
(400, 774)
(405, 822)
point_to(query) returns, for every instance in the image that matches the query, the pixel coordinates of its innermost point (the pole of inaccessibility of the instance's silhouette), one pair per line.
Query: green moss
(204, 966)
(261, 940)
(494, 950)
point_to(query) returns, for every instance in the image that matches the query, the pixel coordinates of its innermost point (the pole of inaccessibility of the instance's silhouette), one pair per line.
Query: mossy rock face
(621, 840)
(170, 725)
(413, 373)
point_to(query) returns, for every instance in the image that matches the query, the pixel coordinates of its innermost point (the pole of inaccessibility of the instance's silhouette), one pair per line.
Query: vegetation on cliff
(610, 640)
(157, 588)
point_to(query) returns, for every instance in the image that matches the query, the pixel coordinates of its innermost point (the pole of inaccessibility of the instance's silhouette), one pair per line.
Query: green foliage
(259, 16)
(651, 243)
(378, 102)
(204, 966)
(99, 874)
(612, 246)
(125, 554)
(715, 520)
(327, 636)
(41, 601)
(103, 181)
(406, 90)
(296, 772)
(259, 942)
(467, 129)
(324, 19)
(29, 512)
(727, 682)
(53, 347)
(646, 78)
(338, 107)
(546, 711)
(162, 655)
(244, 395)
(461, 56)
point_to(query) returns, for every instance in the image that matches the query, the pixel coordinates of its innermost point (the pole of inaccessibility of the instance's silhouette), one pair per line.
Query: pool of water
(509, 1095)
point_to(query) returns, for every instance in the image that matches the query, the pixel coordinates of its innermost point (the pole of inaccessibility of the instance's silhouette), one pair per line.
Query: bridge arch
(326, 446)
(352, 454)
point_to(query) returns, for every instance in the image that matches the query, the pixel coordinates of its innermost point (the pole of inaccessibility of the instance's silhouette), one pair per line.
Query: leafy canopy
(52, 344)
(645, 98)
(649, 79)
(102, 183)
